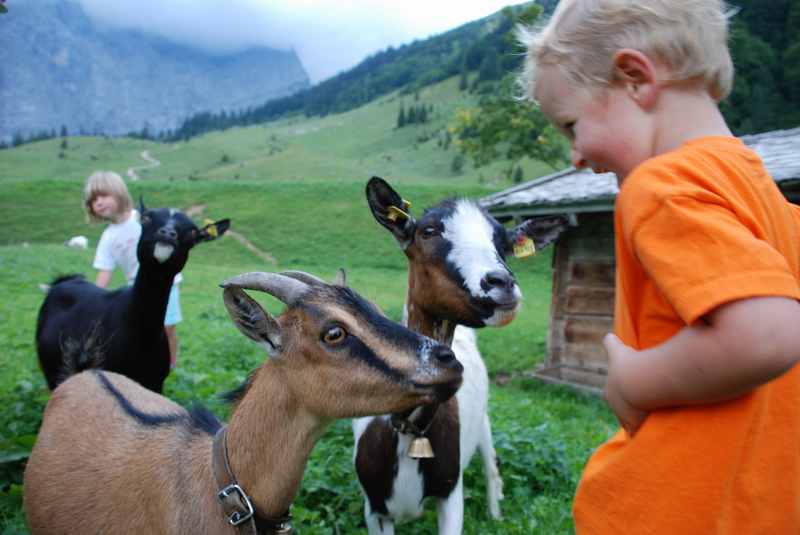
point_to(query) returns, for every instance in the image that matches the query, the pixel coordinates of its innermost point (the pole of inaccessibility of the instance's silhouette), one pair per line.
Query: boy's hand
(630, 418)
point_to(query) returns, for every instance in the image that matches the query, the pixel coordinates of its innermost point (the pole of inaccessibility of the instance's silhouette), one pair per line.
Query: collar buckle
(237, 517)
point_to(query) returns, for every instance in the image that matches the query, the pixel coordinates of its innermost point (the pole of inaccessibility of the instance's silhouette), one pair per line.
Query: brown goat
(113, 457)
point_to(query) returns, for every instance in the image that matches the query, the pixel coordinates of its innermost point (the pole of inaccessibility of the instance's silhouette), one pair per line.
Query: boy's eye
(569, 128)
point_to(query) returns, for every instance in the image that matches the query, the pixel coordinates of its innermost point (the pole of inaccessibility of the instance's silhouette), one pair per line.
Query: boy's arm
(740, 346)
(103, 278)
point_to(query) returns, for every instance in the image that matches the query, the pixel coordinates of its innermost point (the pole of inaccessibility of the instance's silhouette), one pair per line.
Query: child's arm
(103, 278)
(740, 346)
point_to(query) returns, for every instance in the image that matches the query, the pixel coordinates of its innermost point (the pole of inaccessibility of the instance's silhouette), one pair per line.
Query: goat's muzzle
(447, 359)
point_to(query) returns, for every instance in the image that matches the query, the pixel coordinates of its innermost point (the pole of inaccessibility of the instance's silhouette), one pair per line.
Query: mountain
(59, 68)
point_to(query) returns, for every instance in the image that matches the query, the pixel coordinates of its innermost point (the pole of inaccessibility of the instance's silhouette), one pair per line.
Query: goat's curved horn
(302, 276)
(341, 277)
(287, 289)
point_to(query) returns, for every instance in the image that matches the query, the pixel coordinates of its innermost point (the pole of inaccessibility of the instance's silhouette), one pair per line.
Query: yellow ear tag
(396, 213)
(524, 247)
(212, 230)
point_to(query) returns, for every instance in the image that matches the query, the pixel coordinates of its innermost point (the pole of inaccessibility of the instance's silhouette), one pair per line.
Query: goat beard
(162, 252)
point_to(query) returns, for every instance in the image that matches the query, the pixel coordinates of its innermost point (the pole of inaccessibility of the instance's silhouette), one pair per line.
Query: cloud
(329, 36)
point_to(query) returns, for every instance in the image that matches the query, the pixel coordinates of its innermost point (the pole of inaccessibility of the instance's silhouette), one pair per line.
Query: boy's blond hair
(688, 36)
(106, 183)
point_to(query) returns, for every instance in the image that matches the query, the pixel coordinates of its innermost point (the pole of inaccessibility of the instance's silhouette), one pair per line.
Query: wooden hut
(582, 306)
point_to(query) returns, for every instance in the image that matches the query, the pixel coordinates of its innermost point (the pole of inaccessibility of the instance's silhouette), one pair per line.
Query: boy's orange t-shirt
(696, 228)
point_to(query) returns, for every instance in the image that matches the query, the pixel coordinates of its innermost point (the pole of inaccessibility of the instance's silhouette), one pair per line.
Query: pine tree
(401, 117)
(412, 115)
(457, 165)
(463, 81)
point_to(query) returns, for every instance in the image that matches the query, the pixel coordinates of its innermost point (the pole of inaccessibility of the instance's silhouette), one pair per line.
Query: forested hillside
(765, 44)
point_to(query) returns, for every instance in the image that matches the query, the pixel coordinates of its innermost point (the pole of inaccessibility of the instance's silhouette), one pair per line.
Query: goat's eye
(145, 219)
(334, 335)
(429, 232)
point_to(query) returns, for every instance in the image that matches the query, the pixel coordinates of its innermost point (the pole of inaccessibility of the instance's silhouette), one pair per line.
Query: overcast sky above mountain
(329, 36)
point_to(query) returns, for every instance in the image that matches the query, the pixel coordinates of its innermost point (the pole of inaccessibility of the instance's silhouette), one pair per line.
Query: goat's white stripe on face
(473, 251)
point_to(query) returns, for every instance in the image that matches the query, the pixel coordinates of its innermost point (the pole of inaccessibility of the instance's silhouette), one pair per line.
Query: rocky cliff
(59, 68)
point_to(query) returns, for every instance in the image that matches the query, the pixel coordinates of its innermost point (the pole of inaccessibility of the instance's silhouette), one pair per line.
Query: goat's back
(81, 326)
(93, 462)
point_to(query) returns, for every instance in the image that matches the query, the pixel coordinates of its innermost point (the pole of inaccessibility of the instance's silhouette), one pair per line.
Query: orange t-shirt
(696, 228)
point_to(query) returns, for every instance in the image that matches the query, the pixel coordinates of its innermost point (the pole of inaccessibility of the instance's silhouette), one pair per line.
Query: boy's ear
(639, 75)
(391, 210)
(213, 230)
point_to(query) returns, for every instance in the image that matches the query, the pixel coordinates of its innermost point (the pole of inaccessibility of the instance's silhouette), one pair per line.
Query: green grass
(295, 189)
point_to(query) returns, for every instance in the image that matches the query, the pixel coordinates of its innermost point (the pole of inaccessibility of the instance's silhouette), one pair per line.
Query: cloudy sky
(329, 36)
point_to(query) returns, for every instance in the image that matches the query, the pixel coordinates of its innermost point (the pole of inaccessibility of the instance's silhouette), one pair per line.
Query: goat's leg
(494, 483)
(451, 510)
(377, 524)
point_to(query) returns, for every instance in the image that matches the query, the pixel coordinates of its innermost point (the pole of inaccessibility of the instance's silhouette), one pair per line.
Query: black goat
(81, 326)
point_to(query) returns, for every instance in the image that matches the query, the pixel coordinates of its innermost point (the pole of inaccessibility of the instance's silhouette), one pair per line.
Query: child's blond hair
(688, 36)
(106, 183)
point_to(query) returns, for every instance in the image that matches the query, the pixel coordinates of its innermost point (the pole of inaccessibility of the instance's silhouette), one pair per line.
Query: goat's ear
(212, 231)
(391, 210)
(542, 230)
(142, 208)
(252, 320)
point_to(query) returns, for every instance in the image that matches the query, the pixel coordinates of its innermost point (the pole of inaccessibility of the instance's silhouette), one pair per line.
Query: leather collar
(401, 421)
(237, 507)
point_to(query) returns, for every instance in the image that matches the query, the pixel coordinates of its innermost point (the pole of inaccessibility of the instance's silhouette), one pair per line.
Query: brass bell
(420, 448)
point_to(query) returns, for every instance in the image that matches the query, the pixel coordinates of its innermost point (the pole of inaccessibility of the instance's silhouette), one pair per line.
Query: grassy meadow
(295, 189)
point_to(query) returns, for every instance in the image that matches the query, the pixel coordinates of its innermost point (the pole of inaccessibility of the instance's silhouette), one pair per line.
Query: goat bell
(420, 448)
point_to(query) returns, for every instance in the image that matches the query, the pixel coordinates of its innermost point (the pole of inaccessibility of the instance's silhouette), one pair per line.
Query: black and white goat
(81, 326)
(457, 276)
(113, 457)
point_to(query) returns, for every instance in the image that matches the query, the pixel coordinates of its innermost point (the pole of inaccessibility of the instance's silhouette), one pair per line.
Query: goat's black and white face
(457, 253)
(168, 235)
(458, 242)
(339, 351)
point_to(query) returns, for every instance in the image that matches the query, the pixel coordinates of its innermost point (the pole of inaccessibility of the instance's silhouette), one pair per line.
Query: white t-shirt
(117, 247)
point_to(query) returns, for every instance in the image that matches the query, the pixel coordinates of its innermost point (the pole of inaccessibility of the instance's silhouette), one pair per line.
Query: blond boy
(702, 373)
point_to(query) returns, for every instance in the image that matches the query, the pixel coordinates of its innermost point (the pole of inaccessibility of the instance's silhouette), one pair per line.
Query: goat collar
(237, 507)
(401, 421)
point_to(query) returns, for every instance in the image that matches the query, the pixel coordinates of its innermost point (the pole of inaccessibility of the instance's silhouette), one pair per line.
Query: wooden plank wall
(582, 308)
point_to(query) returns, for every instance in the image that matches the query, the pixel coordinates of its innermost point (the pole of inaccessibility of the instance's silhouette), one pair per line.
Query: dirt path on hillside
(151, 163)
(198, 209)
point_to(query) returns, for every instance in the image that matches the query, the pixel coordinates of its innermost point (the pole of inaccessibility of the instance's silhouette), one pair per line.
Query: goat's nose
(443, 354)
(498, 279)
(167, 232)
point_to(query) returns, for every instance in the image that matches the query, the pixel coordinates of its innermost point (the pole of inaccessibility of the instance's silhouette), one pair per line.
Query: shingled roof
(580, 190)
